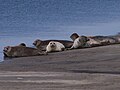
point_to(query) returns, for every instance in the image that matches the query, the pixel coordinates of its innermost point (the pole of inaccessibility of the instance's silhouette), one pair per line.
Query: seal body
(79, 42)
(43, 44)
(54, 46)
(102, 40)
(93, 43)
(21, 51)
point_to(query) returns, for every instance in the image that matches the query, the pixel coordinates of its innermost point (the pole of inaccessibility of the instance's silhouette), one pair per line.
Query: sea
(23, 21)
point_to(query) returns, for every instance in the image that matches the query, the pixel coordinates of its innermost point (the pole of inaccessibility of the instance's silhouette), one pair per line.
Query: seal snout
(52, 44)
(5, 49)
(37, 42)
(34, 43)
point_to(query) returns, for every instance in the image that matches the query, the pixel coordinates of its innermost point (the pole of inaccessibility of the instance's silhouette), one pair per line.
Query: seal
(21, 51)
(80, 42)
(117, 37)
(93, 43)
(102, 40)
(42, 44)
(54, 46)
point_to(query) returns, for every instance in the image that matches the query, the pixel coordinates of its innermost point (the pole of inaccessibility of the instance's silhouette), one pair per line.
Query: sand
(95, 68)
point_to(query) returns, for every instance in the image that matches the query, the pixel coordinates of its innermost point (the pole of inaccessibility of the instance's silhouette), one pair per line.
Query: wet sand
(95, 68)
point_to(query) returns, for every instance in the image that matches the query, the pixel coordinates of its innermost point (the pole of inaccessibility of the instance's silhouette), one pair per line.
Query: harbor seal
(21, 51)
(42, 44)
(93, 43)
(54, 46)
(80, 42)
(116, 38)
(103, 40)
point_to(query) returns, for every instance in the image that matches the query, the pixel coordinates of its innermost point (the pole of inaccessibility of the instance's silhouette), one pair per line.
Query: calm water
(27, 20)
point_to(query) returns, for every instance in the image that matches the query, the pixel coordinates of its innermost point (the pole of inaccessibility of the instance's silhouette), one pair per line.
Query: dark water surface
(27, 20)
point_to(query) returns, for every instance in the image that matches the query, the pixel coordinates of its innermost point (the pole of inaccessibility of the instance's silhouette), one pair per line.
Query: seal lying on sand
(54, 46)
(117, 38)
(93, 43)
(105, 40)
(21, 51)
(80, 42)
(43, 44)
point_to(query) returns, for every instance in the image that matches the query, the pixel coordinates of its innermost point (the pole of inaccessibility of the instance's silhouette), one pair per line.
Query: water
(27, 20)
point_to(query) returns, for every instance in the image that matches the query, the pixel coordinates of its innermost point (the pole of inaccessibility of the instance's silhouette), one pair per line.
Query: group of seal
(46, 46)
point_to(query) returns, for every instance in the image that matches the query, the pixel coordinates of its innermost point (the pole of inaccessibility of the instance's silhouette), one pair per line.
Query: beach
(95, 68)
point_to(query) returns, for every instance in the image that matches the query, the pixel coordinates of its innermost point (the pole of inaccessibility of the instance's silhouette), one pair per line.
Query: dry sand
(81, 69)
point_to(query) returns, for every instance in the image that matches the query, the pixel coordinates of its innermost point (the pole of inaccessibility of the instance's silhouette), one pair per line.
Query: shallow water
(27, 20)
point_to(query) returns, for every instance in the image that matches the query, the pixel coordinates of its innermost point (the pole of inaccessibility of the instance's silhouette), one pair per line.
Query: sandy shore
(82, 69)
